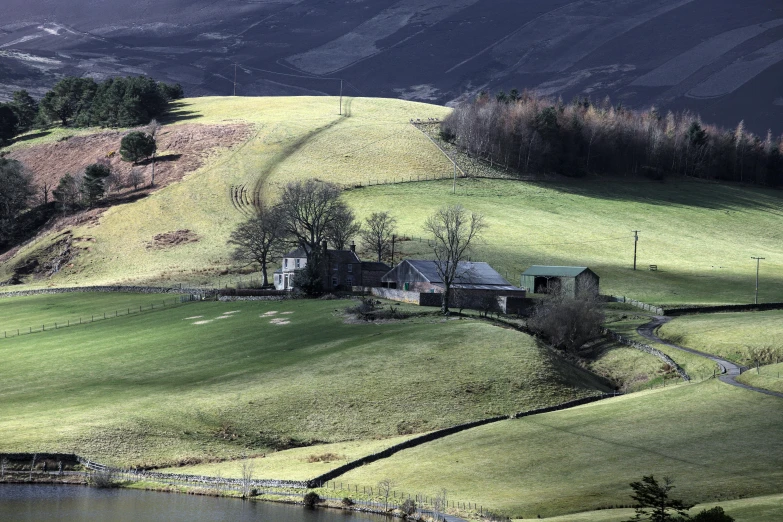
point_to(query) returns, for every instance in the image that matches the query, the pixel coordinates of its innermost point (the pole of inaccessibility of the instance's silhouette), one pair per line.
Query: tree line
(526, 133)
(83, 102)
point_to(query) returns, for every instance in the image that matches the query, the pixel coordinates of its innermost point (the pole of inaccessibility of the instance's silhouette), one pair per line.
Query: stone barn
(572, 280)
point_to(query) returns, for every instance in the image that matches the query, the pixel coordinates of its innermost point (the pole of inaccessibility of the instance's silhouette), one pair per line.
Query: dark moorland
(720, 58)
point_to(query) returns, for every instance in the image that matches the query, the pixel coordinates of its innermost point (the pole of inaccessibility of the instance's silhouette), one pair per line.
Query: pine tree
(94, 182)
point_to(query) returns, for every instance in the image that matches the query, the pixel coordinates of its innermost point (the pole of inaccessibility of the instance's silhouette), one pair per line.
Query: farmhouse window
(336, 267)
(285, 262)
(349, 280)
(298, 263)
(334, 281)
(350, 268)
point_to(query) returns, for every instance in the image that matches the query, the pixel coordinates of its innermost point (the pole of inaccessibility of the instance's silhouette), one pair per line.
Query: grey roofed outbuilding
(473, 275)
(554, 271)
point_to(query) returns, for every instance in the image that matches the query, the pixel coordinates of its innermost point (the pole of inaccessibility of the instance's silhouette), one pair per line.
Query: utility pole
(394, 238)
(235, 79)
(758, 261)
(635, 242)
(341, 97)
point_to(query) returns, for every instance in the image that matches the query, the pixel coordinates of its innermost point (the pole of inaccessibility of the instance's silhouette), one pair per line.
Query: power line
(635, 242)
(758, 262)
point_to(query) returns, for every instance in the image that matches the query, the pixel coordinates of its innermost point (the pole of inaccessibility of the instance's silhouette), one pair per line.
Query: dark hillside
(720, 58)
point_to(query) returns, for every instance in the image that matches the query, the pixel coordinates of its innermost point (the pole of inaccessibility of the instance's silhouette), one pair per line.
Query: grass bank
(219, 380)
(742, 337)
(718, 442)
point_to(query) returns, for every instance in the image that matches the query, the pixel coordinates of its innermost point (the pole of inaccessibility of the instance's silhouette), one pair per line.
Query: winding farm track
(729, 370)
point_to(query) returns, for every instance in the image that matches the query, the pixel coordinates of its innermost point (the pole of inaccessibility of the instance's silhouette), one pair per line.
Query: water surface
(45, 502)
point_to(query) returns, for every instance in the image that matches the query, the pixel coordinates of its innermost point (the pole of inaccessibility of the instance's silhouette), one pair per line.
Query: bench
(653, 268)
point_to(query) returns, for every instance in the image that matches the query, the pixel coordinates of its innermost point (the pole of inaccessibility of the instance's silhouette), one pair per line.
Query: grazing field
(218, 380)
(700, 235)
(294, 464)
(740, 337)
(37, 310)
(767, 377)
(756, 509)
(696, 366)
(716, 441)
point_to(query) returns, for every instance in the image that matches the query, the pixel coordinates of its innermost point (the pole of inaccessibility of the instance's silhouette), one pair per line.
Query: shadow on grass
(680, 192)
(28, 137)
(160, 159)
(179, 112)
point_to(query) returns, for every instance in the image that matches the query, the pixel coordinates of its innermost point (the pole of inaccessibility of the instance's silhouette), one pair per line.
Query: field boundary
(320, 480)
(762, 307)
(638, 304)
(121, 289)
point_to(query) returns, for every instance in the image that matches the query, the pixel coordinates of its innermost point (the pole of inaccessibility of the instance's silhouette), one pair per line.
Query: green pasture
(699, 368)
(756, 509)
(767, 377)
(716, 441)
(293, 464)
(215, 380)
(700, 235)
(32, 312)
(742, 337)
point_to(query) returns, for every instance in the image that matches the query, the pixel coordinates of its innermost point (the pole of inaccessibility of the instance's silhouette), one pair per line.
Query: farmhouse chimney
(353, 246)
(324, 247)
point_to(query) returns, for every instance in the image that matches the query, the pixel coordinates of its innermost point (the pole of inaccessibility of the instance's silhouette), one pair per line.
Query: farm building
(342, 269)
(422, 276)
(572, 280)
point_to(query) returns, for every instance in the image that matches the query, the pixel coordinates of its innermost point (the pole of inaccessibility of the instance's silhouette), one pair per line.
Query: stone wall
(126, 289)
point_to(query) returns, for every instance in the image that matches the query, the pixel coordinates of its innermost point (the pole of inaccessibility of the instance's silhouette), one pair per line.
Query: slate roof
(374, 266)
(343, 256)
(554, 271)
(469, 274)
(299, 252)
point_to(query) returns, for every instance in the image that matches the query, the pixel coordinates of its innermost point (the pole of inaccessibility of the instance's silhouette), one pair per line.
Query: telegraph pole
(635, 242)
(454, 185)
(341, 97)
(758, 261)
(235, 79)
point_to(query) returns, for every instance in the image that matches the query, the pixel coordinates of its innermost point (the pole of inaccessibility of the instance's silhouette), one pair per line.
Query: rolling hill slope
(701, 235)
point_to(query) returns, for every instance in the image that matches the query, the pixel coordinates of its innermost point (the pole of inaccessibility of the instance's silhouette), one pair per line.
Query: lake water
(23, 502)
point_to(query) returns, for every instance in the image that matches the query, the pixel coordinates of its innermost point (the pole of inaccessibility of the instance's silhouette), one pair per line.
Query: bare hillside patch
(181, 149)
(172, 239)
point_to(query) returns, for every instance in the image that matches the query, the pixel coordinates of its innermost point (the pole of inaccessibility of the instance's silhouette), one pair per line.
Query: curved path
(729, 370)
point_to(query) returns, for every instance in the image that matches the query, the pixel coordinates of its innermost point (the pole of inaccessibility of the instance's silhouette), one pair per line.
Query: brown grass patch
(325, 457)
(172, 239)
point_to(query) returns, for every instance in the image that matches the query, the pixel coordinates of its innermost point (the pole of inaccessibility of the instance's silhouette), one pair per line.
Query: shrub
(102, 479)
(348, 501)
(136, 146)
(311, 499)
(408, 507)
(715, 514)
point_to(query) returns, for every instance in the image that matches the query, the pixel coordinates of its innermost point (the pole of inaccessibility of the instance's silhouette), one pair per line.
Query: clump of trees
(526, 133)
(15, 196)
(83, 102)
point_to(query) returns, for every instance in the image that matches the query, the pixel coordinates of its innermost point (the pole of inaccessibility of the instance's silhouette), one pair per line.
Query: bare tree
(260, 239)
(152, 129)
(454, 231)
(135, 178)
(310, 209)
(384, 489)
(246, 470)
(378, 233)
(343, 228)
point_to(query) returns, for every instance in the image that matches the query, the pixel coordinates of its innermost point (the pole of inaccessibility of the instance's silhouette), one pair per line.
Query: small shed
(573, 281)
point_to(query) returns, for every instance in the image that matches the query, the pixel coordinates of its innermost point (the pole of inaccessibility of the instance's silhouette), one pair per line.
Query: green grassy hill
(701, 235)
(217, 380)
(718, 442)
(741, 337)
